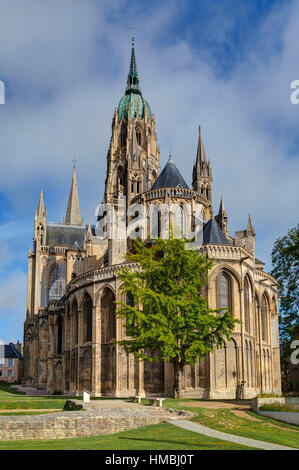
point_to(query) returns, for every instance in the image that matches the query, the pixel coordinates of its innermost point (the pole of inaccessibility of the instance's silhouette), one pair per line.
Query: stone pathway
(198, 428)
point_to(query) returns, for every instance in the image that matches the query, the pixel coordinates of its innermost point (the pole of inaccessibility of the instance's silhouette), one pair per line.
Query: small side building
(11, 363)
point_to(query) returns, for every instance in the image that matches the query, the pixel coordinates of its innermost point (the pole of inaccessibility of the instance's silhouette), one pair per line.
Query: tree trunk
(177, 385)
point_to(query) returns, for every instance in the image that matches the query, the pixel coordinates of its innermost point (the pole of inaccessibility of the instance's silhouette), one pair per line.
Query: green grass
(7, 387)
(277, 407)
(11, 399)
(154, 437)
(226, 421)
(157, 437)
(26, 413)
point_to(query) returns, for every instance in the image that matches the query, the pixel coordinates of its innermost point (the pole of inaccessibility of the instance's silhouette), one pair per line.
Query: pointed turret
(202, 172)
(221, 218)
(250, 229)
(246, 238)
(73, 214)
(40, 206)
(40, 221)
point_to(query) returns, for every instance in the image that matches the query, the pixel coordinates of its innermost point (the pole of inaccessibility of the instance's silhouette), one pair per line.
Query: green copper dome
(133, 98)
(137, 105)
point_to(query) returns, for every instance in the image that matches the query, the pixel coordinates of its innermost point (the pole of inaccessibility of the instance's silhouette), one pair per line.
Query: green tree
(169, 318)
(285, 260)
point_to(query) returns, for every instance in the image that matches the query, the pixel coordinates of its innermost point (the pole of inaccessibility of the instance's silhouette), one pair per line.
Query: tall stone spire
(40, 210)
(73, 214)
(202, 172)
(133, 79)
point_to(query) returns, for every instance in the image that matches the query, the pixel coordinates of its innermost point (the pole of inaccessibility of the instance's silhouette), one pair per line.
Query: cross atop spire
(73, 214)
(133, 79)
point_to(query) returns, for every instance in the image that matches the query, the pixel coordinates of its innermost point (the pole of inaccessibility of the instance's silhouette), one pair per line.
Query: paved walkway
(190, 426)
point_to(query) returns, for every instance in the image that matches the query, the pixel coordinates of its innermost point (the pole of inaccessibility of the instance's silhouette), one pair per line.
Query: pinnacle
(73, 214)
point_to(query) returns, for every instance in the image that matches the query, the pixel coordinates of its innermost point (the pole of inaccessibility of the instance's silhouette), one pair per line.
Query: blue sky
(226, 66)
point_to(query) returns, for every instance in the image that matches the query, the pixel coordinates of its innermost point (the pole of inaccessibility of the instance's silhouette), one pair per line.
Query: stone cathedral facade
(71, 326)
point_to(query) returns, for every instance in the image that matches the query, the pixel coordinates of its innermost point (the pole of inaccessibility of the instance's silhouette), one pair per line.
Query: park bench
(136, 399)
(159, 401)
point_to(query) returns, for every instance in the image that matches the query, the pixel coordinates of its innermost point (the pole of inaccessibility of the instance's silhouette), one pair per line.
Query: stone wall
(87, 422)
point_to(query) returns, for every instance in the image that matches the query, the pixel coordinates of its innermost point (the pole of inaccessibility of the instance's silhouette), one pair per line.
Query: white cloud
(66, 65)
(12, 294)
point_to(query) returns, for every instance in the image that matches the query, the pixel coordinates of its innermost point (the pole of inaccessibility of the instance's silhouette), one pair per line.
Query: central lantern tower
(133, 160)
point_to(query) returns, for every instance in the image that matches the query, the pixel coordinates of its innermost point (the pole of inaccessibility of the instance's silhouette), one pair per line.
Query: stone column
(80, 338)
(96, 351)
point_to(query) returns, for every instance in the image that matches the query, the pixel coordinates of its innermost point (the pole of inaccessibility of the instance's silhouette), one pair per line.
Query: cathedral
(71, 329)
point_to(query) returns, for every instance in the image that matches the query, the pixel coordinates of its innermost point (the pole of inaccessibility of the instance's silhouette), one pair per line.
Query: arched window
(223, 291)
(75, 321)
(138, 135)
(180, 220)
(256, 316)
(123, 136)
(87, 316)
(247, 304)
(59, 335)
(130, 302)
(264, 316)
(108, 317)
(120, 176)
(57, 282)
(156, 222)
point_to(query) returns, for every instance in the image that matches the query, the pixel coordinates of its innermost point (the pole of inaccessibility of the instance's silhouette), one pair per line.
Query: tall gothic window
(75, 322)
(256, 316)
(108, 322)
(156, 222)
(57, 282)
(223, 291)
(123, 136)
(87, 315)
(180, 220)
(264, 316)
(59, 335)
(247, 304)
(130, 302)
(138, 135)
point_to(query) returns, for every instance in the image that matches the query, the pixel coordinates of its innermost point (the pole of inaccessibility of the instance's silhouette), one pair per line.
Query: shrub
(70, 405)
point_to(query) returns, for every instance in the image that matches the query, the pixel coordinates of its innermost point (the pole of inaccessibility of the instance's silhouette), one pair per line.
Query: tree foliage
(168, 317)
(285, 260)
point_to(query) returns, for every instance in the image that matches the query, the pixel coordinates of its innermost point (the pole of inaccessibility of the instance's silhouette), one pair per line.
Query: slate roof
(170, 177)
(69, 236)
(10, 352)
(213, 235)
(258, 261)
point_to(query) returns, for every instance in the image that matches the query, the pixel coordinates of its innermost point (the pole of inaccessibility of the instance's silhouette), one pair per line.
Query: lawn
(11, 399)
(154, 437)
(265, 429)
